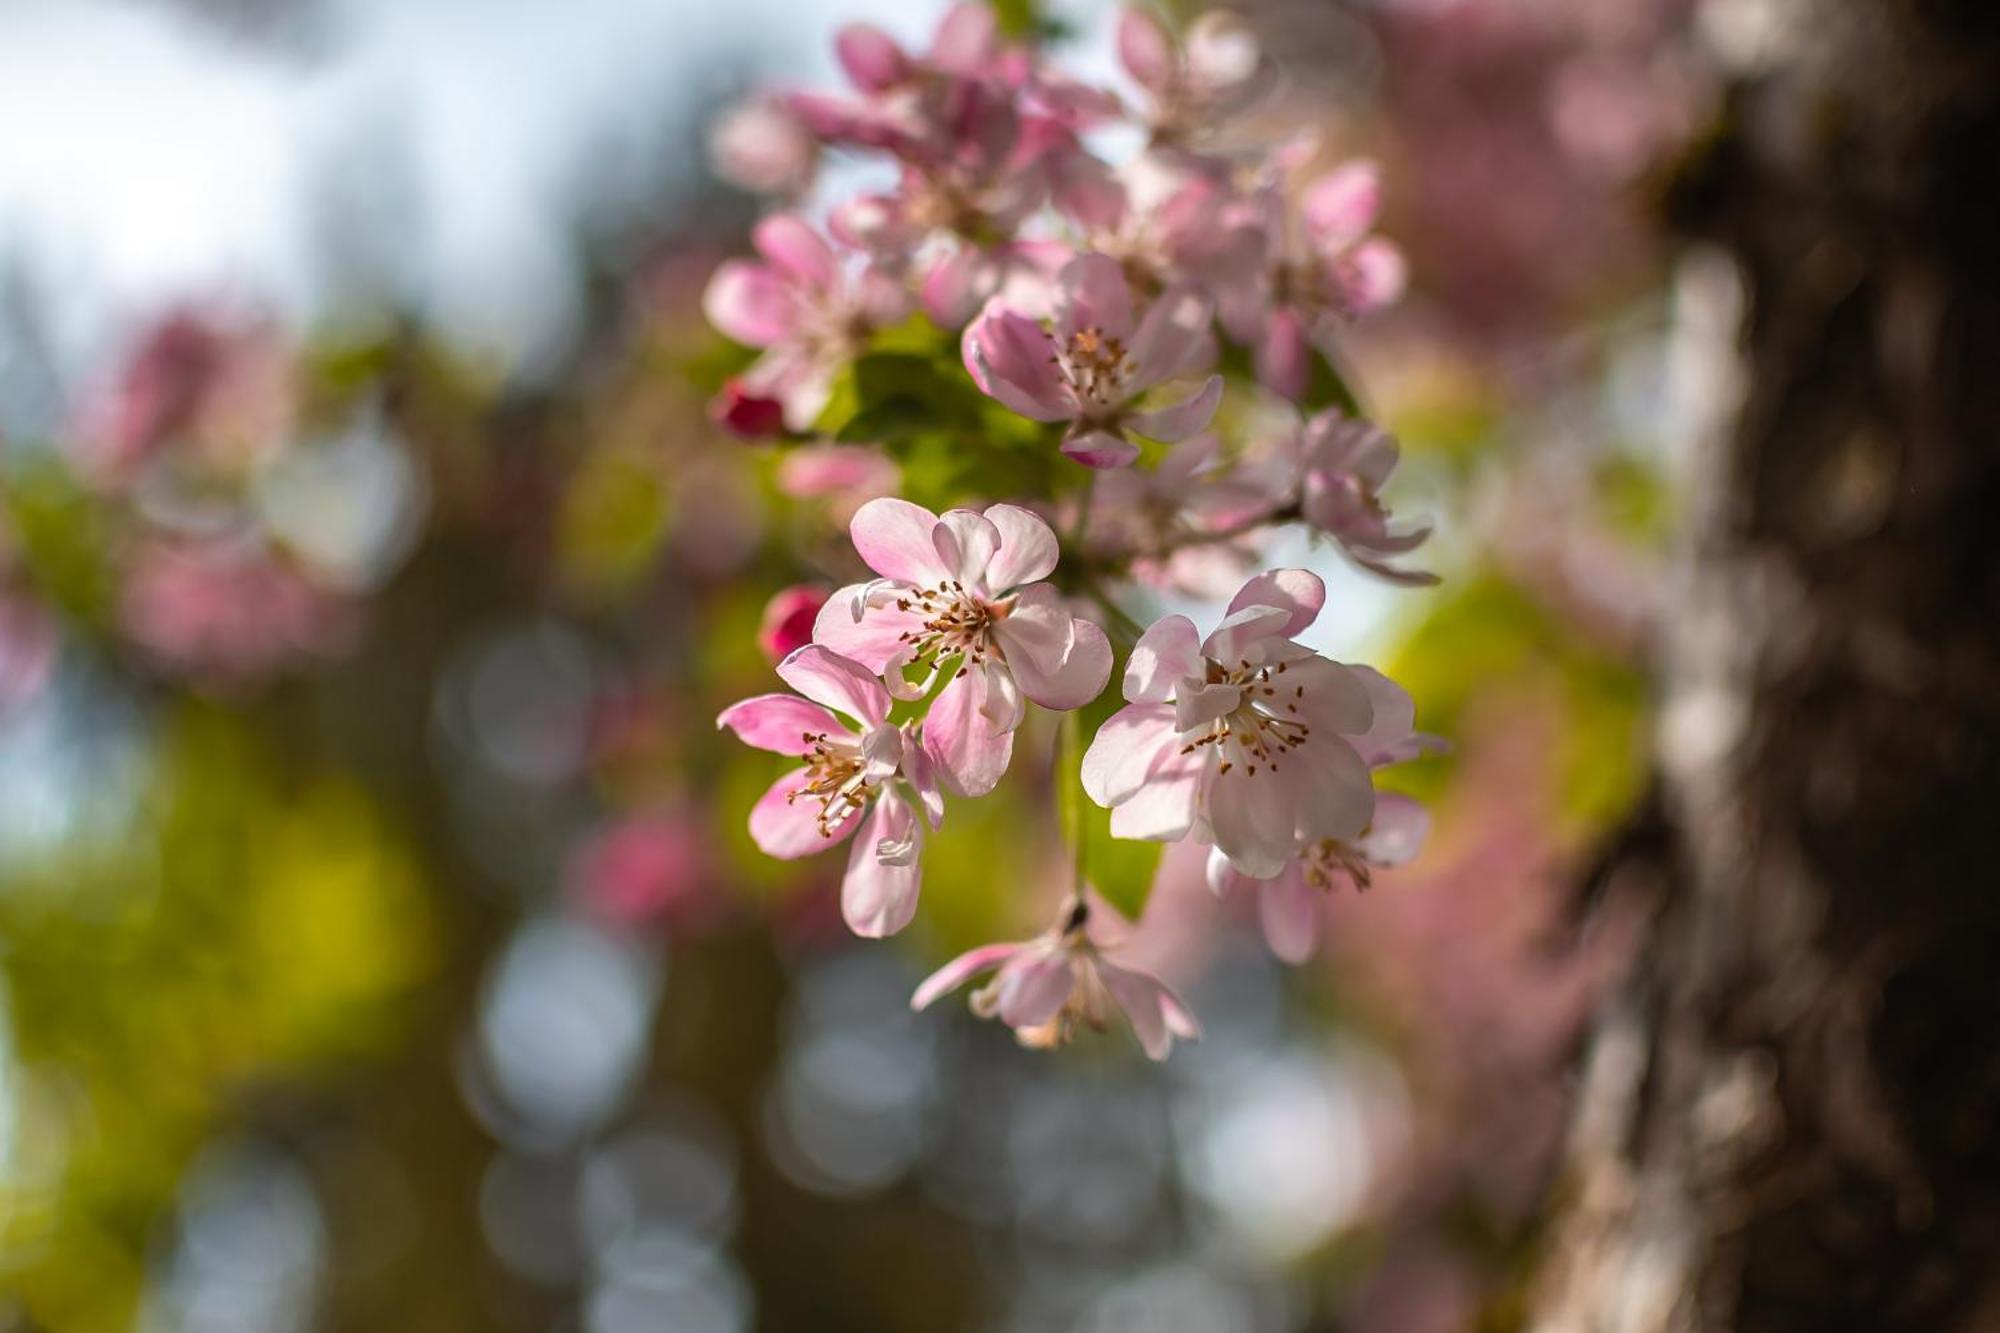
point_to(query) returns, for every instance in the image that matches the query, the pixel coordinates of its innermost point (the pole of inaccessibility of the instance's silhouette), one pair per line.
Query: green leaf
(1120, 869)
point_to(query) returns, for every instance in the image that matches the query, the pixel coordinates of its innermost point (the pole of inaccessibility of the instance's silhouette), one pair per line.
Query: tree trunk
(1790, 1117)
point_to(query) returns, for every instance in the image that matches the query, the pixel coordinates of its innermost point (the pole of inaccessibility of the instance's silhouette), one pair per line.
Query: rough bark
(1790, 1117)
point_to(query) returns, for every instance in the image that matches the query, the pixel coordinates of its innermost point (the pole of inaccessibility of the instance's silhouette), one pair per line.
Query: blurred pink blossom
(787, 623)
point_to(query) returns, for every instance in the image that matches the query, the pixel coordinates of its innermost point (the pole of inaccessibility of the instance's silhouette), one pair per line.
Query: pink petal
(1198, 703)
(1284, 356)
(872, 640)
(895, 538)
(965, 39)
(1101, 449)
(1398, 831)
(1222, 877)
(1028, 551)
(1299, 592)
(1008, 356)
(1246, 634)
(824, 676)
(1393, 714)
(1335, 698)
(779, 722)
(871, 57)
(970, 751)
(1145, 50)
(1289, 909)
(961, 970)
(966, 543)
(1034, 984)
(1184, 418)
(1374, 276)
(1172, 337)
(878, 897)
(1078, 680)
(1039, 631)
(796, 250)
(1333, 795)
(789, 829)
(1084, 190)
(952, 291)
(1167, 653)
(1254, 815)
(1092, 293)
(750, 303)
(921, 774)
(1343, 204)
(1165, 808)
(1125, 751)
(1139, 996)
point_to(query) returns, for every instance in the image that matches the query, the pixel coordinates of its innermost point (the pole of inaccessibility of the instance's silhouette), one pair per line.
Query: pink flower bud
(746, 415)
(788, 620)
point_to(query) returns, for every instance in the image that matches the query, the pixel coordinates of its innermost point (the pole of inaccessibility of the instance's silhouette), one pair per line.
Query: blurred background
(380, 944)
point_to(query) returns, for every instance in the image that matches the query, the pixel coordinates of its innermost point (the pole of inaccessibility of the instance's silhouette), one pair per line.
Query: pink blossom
(762, 146)
(1178, 228)
(746, 413)
(1101, 355)
(854, 473)
(1291, 905)
(867, 774)
(643, 867)
(228, 611)
(1344, 464)
(1048, 987)
(1244, 739)
(806, 309)
(1321, 265)
(966, 586)
(1217, 73)
(787, 623)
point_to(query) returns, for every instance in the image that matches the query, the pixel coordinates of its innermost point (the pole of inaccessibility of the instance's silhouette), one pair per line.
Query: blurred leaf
(613, 518)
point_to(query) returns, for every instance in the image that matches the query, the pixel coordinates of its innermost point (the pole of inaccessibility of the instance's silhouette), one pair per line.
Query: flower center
(835, 778)
(1258, 729)
(1328, 858)
(955, 621)
(1095, 366)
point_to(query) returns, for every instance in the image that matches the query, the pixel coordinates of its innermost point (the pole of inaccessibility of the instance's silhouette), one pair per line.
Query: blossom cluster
(1101, 309)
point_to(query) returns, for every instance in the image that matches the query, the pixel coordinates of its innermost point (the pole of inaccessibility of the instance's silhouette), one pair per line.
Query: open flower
(1244, 739)
(1045, 988)
(1322, 265)
(1344, 463)
(806, 309)
(1101, 355)
(859, 772)
(1291, 905)
(966, 586)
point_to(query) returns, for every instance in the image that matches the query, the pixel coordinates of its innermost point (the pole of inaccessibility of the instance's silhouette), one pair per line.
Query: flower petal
(824, 676)
(878, 896)
(966, 543)
(1008, 357)
(1167, 653)
(1028, 550)
(1374, 276)
(1092, 293)
(1247, 634)
(964, 40)
(972, 753)
(874, 639)
(1332, 794)
(1398, 831)
(1394, 715)
(1198, 703)
(1298, 591)
(1342, 205)
(1171, 336)
(1334, 698)
(1253, 814)
(750, 303)
(961, 970)
(779, 723)
(1098, 448)
(1184, 418)
(894, 538)
(871, 57)
(1289, 910)
(1034, 984)
(1143, 1000)
(1079, 679)
(796, 250)
(1145, 49)
(1166, 807)
(1284, 355)
(1125, 751)
(789, 829)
